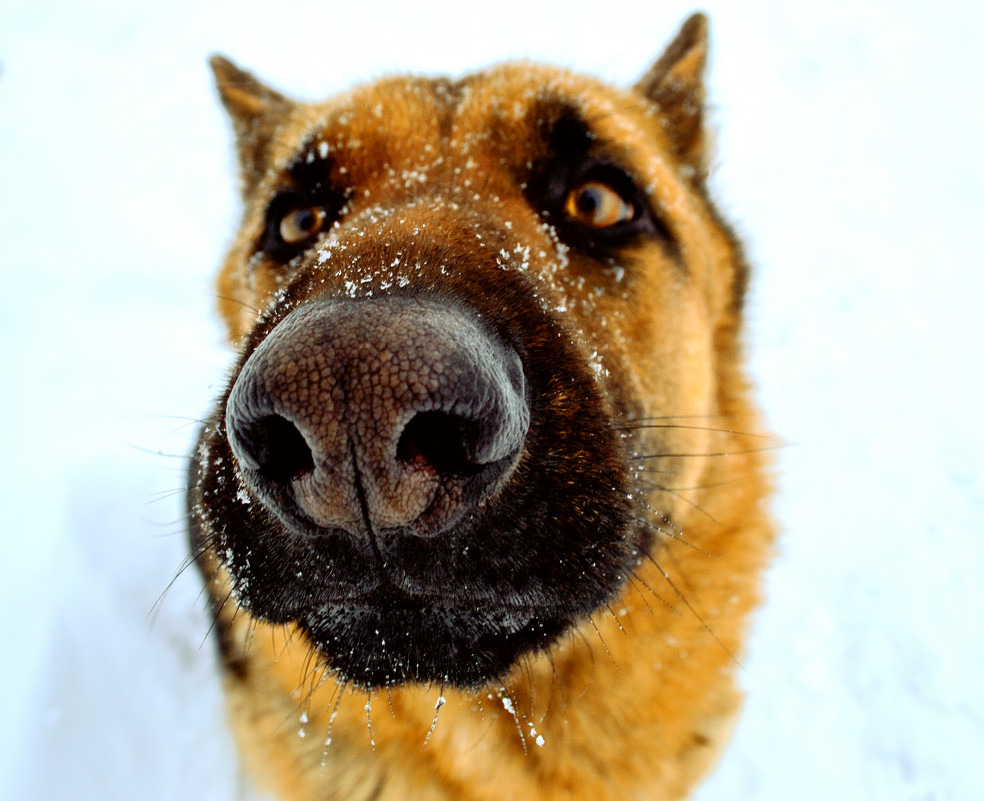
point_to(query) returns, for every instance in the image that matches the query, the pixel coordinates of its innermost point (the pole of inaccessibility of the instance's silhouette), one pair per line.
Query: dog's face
(472, 317)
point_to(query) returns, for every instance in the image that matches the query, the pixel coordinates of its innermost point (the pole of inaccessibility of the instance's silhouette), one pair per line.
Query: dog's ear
(255, 110)
(675, 83)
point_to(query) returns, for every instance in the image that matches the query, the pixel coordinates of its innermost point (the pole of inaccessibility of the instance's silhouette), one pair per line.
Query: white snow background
(849, 156)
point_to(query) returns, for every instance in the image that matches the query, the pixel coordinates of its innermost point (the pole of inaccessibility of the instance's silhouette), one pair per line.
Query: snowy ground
(849, 153)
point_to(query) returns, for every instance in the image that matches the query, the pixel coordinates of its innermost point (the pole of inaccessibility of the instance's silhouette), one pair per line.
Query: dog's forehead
(507, 108)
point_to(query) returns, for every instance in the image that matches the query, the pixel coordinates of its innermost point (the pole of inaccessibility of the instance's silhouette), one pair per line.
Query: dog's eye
(299, 225)
(295, 218)
(597, 205)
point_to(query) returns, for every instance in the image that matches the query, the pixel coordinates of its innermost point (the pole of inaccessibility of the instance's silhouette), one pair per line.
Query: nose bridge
(488, 253)
(455, 187)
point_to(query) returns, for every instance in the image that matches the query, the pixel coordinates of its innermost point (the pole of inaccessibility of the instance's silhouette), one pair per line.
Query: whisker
(309, 666)
(688, 587)
(288, 640)
(576, 633)
(169, 528)
(156, 453)
(215, 619)
(740, 452)
(675, 426)
(602, 639)
(183, 418)
(441, 701)
(615, 618)
(526, 668)
(664, 417)
(481, 706)
(556, 689)
(674, 535)
(692, 504)
(250, 635)
(696, 487)
(636, 579)
(678, 537)
(155, 608)
(507, 704)
(211, 578)
(339, 692)
(237, 301)
(389, 702)
(188, 561)
(368, 708)
(163, 495)
(696, 614)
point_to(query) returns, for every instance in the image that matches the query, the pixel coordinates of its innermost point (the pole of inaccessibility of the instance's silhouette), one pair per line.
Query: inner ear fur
(675, 83)
(255, 110)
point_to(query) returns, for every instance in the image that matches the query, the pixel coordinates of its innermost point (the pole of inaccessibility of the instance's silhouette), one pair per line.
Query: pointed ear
(675, 83)
(255, 110)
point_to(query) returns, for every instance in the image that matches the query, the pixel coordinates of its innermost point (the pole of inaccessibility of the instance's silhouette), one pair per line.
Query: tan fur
(637, 702)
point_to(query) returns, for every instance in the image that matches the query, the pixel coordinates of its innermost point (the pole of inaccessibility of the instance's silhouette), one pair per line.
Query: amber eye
(597, 205)
(301, 224)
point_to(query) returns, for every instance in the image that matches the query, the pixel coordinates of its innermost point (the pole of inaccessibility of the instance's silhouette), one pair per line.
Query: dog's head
(463, 308)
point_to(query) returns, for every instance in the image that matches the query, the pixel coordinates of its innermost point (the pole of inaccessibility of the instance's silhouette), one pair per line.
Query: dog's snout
(378, 414)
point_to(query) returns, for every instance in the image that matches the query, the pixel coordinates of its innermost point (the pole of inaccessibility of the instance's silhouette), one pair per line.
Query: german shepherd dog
(478, 512)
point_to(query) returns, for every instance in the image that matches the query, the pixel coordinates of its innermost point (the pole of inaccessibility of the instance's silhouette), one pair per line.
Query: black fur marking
(574, 156)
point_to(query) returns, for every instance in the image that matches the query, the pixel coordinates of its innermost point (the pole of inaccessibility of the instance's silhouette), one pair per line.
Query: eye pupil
(301, 224)
(587, 200)
(306, 220)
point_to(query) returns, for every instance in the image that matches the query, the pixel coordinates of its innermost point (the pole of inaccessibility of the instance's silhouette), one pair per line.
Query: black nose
(387, 413)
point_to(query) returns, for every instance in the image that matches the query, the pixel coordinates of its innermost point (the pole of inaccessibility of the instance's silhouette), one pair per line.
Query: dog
(482, 512)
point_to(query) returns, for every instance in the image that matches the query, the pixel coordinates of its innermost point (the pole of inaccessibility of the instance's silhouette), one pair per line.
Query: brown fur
(636, 700)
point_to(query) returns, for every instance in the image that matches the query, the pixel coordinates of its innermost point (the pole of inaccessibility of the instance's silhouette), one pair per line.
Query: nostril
(440, 441)
(277, 448)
